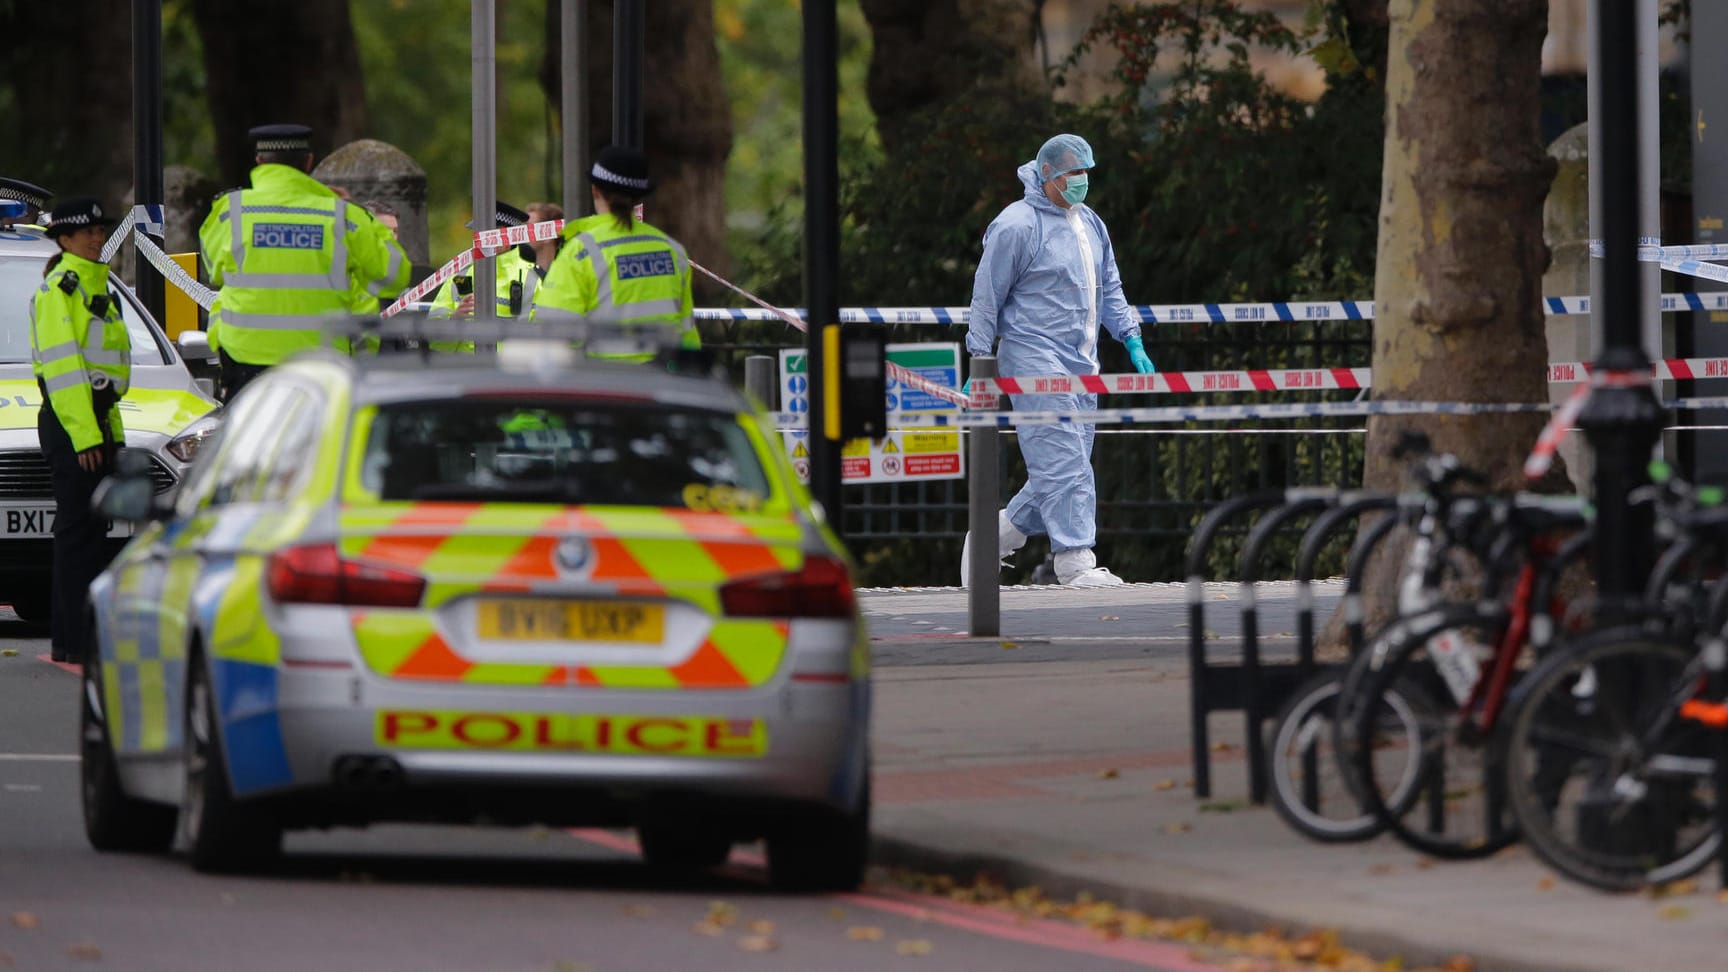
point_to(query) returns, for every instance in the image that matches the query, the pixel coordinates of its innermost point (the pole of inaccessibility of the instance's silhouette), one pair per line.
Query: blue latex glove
(1137, 354)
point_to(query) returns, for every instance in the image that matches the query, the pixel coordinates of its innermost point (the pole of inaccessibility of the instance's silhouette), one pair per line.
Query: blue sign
(913, 400)
(797, 404)
(796, 384)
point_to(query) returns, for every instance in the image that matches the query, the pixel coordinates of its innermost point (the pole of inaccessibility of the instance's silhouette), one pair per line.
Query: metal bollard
(983, 488)
(759, 379)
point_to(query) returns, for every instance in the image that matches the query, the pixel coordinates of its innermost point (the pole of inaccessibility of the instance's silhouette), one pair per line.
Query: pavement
(1057, 756)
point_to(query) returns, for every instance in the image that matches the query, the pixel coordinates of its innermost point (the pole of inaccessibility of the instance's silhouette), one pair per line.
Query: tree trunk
(686, 117)
(1457, 291)
(67, 120)
(934, 52)
(278, 61)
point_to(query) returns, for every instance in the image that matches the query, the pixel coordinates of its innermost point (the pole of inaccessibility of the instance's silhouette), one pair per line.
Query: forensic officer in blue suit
(1046, 282)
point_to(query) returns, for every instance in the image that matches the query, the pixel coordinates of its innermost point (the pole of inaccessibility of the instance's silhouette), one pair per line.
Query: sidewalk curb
(1361, 934)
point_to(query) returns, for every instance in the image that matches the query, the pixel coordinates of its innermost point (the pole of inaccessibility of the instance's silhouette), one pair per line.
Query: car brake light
(317, 574)
(819, 589)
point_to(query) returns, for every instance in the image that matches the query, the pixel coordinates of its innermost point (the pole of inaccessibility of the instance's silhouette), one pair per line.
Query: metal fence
(1154, 484)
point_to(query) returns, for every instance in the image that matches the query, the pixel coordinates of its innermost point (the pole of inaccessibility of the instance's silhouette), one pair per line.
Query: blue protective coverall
(1047, 280)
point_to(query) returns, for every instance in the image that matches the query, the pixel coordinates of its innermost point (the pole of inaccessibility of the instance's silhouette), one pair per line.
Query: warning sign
(903, 454)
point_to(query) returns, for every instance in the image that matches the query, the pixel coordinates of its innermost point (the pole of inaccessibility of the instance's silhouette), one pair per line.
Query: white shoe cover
(1079, 568)
(1008, 540)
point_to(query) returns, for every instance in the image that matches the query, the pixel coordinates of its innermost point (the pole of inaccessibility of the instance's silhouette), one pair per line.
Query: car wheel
(675, 848)
(223, 835)
(822, 851)
(33, 605)
(113, 821)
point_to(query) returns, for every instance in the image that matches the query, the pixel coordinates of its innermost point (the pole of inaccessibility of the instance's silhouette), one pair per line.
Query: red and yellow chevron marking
(467, 549)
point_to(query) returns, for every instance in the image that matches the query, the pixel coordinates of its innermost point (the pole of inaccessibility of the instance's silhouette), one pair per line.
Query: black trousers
(81, 549)
(235, 375)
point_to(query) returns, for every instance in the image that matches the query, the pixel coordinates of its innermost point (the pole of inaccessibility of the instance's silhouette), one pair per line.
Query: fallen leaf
(8, 652)
(1546, 884)
(1425, 864)
(757, 943)
(913, 946)
(1164, 785)
(1222, 747)
(721, 913)
(864, 933)
(84, 952)
(1220, 806)
(836, 913)
(1674, 912)
(24, 919)
(1459, 963)
(1722, 896)
(1009, 645)
(709, 928)
(1108, 774)
(762, 927)
(1179, 827)
(639, 910)
(1674, 888)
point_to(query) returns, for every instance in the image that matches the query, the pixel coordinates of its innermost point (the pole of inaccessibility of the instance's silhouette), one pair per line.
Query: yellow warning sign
(889, 446)
(922, 443)
(799, 452)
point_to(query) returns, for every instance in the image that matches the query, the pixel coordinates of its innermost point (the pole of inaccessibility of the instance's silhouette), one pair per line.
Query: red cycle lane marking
(977, 919)
(72, 667)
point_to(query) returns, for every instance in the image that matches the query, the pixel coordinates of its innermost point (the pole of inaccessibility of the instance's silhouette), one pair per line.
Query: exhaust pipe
(367, 773)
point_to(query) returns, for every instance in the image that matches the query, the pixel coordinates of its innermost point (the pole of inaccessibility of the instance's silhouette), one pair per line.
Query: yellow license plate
(536, 620)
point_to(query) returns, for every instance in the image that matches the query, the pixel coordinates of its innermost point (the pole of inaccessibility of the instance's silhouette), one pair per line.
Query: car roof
(24, 240)
(409, 376)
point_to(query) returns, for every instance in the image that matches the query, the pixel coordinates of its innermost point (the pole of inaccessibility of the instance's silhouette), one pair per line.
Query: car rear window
(570, 452)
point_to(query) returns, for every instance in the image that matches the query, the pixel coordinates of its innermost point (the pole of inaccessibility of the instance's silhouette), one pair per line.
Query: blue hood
(1035, 197)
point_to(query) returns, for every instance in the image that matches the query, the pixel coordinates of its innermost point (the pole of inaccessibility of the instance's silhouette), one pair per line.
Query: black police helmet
(622, 169)
(76, 213)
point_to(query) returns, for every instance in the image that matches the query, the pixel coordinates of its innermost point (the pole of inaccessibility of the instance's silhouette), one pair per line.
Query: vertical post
(984, 572)
(629, 28)
(573, 99)
(1621, 420)
(822, 240)
(485, 149)
(147, 134)
(759, 379)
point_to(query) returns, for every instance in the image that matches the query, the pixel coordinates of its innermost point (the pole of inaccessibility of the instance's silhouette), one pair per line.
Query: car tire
(33, 605)
(223, 835)
(113, 821)
(821, 851)
(681, 849)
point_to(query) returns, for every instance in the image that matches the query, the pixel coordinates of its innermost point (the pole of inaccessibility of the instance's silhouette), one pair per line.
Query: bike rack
(1266, 686)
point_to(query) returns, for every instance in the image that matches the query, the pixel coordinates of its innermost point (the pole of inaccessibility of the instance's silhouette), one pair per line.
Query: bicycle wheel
(1430, 661)
(1611, 788)
(1308, 779)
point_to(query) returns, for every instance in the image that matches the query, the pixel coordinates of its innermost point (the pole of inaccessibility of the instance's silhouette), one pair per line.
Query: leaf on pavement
(1108, 774)
(84, 952)
(721, 913)
(1164, 785)
(1222, 747)
(1009, 645)
(864, 933)
(1459, 963)
(757, 943)
(836, 913)
(1722, 896)
(1179, 827)
(24, 919)
(9, 652)
(1220, 806)
(762, 927)
(709, 928)
(1673, 889)
(913, 946)
(1546, 884)
(1674, 912)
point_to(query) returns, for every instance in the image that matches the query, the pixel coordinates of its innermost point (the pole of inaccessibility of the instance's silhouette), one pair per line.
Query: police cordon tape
(1281, 379)
(1650, 251)
(1217, 413)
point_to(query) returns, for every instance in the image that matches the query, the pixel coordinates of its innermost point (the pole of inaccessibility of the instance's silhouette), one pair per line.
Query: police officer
(35, 199)
(615, 269)
(285, 252)
(517, 279)
(82, 358)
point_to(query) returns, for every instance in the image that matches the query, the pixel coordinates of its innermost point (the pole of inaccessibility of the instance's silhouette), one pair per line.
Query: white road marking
(38, 757)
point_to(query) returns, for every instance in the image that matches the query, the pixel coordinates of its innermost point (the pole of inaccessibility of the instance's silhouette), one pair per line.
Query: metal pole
(573, 99)
(759, 379)
(822, 238)
(1649, 142)
(629, 28)
(983, 488)
(147, 134)
(485, 87)
(1622, 419)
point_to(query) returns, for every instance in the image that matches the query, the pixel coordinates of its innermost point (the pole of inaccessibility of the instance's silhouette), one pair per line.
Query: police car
(395, 590)
(166, 414)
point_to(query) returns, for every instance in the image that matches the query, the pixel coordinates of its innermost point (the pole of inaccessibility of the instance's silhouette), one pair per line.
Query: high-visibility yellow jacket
(512, 269)
(73, 349)
(284, 252)
(616, 275)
